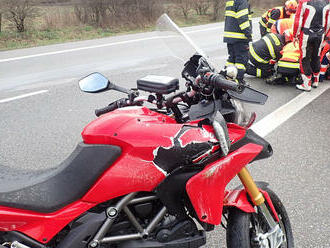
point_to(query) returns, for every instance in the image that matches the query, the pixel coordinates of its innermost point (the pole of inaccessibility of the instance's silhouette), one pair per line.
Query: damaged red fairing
(153, 156)
(206, 189)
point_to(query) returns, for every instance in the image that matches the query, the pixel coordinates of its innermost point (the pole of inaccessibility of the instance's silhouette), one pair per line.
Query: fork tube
(251, 187)
(256, 196)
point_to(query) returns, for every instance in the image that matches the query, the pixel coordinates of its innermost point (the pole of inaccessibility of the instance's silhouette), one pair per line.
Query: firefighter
(310, 26)
(288, 65)
(237, 35)
(264, 53)
(281, 25)
(270, 16)
(325, 58)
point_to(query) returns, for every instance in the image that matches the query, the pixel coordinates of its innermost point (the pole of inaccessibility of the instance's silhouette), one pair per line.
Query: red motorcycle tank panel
(152, 145)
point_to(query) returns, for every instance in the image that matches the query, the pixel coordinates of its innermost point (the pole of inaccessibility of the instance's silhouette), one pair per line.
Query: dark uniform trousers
(254, 68)
(310, 61)
(238, 56)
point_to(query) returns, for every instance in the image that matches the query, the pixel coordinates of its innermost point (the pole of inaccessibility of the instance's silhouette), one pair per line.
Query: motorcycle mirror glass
(94, 82)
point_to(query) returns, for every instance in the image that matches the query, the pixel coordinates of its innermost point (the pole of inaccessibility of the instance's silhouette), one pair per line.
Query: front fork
(275, 236)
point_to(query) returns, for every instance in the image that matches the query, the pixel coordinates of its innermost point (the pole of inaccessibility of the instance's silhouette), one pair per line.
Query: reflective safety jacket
(289, 62)
(238, 25)
(271, 15)
(267, 48)
(324, 59)
(325, 49)
(281, 25)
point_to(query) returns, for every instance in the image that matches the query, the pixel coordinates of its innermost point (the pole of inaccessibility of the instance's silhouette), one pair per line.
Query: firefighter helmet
(231, 72)
(291, 6)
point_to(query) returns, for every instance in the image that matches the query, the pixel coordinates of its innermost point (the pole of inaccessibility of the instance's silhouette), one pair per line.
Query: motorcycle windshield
(179, 43)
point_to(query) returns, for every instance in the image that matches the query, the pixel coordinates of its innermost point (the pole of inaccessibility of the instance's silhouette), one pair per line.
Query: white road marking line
(96, 46)
(105, 45)
(23, 96)
(283, 113)
(75, 49)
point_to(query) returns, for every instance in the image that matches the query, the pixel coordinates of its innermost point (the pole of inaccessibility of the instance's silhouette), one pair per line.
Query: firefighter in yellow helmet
(271, 15)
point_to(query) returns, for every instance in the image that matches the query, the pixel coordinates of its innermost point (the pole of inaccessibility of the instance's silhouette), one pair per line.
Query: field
(64, 23)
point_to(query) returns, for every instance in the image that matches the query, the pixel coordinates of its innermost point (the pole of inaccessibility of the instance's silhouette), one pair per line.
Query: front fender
(239, 199)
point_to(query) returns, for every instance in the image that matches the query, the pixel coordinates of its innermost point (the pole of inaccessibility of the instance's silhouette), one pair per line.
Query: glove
(272, 62)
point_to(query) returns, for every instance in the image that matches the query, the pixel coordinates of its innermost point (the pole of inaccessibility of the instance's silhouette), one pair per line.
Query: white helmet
(231, 72)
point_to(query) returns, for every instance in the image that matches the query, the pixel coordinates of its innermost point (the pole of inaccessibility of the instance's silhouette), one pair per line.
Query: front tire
(242, 227)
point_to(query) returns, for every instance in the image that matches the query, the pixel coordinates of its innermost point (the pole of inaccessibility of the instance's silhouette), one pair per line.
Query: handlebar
(101, 111)
(112, 106)
(218, 81)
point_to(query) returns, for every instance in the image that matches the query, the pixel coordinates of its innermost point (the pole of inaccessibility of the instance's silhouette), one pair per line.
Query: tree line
(111, 13)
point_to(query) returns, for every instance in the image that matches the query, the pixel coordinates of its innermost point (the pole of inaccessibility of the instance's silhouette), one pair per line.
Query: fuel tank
(153, 145)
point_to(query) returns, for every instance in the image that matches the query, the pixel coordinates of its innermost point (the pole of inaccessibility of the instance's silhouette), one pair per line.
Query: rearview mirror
(94, 82)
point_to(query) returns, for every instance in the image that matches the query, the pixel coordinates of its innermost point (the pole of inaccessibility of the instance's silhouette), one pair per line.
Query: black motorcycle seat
(49, 190)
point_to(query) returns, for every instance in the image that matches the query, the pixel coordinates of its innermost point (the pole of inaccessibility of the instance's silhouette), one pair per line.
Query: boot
(242, 82)
(306, 85)
(273, 78)
(298, 79)
(316, 80)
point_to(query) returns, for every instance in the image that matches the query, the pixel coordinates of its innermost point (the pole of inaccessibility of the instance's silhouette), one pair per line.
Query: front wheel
(243, 228)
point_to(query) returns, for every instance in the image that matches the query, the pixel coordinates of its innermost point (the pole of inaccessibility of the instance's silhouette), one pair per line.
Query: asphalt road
(41, 130)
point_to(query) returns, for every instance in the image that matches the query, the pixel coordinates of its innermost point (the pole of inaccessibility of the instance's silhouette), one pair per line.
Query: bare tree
(185, 6)
(118, 13)
(201, 6)
(18, 11)
(1, 12)
(217, 6)
(0, 21)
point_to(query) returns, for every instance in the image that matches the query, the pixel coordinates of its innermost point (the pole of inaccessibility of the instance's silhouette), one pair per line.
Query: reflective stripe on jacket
(272, 15)
(267, 48)
(290, 56)
(238, 26)
(325, 49)
(281, 25)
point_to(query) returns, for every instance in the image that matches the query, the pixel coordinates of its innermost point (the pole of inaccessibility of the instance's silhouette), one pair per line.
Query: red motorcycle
(152, 172)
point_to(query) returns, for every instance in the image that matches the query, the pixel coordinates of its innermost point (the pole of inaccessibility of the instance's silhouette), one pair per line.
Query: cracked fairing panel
(189, 145)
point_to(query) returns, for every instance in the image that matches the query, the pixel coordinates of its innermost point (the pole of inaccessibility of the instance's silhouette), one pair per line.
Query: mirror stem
(120, 89)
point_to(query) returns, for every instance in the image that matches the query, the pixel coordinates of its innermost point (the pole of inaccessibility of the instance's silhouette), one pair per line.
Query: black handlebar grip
(218, 81)
(106, 109)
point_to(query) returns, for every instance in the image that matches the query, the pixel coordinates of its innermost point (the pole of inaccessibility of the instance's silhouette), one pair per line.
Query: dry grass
(59, 17)
(58, 24)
